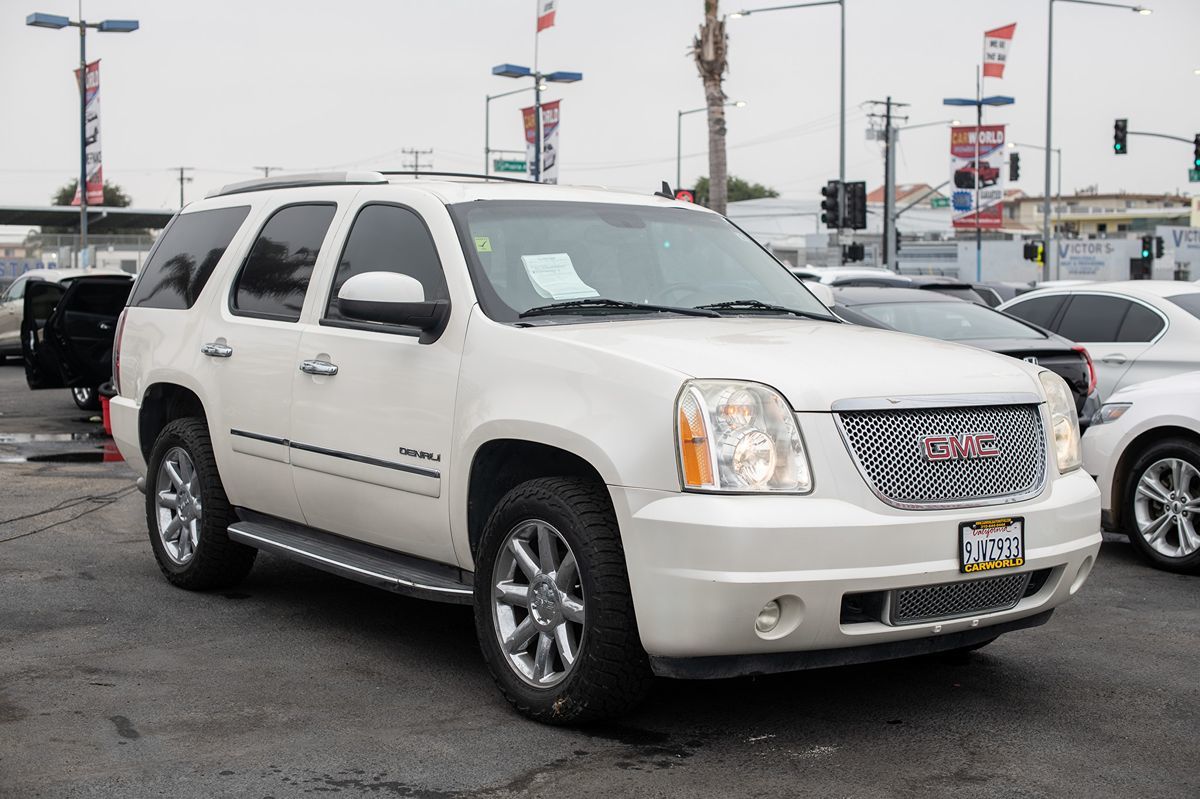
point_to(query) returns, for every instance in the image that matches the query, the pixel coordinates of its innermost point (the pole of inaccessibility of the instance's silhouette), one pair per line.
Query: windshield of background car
(948, 321)
(529, 254)
(1188, 302)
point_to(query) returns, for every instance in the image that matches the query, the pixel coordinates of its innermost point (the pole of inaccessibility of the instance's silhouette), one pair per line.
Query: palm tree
(710, 48)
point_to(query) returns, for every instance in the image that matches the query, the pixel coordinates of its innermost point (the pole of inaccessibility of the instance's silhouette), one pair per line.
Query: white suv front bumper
(701, 567)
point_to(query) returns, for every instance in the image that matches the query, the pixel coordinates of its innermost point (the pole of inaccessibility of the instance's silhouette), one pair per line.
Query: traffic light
(831, 206)
(1160, 248)
(1147, 247)
(856, 205)
(1196, 151)
(1120, 137)
(853, 252)
(1035, 251)
(899, 239)
(1014, 167)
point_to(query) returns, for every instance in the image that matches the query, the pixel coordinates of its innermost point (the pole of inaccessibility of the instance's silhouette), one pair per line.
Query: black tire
(86, 398)
(217, 561)
(1179, 448)
(966, 650)
(611, 673)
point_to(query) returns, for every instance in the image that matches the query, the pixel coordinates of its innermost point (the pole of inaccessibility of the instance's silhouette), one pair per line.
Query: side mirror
(393, 299)
(821, 292)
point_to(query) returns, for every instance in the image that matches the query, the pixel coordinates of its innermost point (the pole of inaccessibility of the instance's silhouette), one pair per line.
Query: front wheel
(87, 398)
(553, 610)
(1161, 505)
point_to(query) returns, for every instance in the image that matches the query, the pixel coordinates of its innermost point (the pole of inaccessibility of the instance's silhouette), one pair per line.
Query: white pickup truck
(612, 423)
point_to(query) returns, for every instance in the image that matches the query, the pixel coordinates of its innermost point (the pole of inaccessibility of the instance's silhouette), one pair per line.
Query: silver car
(1135, 330)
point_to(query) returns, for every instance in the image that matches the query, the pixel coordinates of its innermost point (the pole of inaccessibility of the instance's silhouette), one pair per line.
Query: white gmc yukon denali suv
(614, 424)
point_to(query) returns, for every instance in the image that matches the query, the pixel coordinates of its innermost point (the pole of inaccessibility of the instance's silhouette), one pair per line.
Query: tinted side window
(1093, 318)
(387, 238)
(275, 275)
(1141, 324)
(1039, 310)
(176, 273)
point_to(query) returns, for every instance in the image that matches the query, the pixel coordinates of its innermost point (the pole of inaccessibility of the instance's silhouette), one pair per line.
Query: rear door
(68, 334)
(1115, 330)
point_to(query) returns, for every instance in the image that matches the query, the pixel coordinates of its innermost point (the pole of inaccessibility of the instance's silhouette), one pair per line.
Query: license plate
(991, 544)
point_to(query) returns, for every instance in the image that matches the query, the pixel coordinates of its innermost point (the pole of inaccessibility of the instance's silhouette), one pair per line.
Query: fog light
(768, 617)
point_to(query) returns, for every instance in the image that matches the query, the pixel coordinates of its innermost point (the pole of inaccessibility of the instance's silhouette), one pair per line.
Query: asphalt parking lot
(113, 683)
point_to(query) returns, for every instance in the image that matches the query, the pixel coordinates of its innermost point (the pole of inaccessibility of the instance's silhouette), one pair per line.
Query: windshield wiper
(604, 302)
(758, 305)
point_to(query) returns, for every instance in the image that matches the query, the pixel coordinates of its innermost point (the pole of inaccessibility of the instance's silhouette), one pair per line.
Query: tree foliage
(738, 190)
(114, 195)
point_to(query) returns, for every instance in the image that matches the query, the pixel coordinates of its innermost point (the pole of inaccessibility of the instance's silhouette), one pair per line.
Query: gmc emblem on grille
(968, 446)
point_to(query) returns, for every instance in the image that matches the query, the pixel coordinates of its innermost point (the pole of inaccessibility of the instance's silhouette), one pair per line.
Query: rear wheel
(188, 514)
(87, 398)
(1161, 505)
(553, 610)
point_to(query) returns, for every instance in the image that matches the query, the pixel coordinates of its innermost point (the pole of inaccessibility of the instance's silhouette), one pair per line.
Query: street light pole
(540, 80)
(56, 22)
(1049, 105)
(487, 124)
(679, 136)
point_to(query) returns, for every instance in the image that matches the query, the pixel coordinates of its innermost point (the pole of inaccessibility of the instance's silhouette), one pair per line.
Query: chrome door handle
(105, 326)
(216, 350)
(319, 368)
(1117, 359)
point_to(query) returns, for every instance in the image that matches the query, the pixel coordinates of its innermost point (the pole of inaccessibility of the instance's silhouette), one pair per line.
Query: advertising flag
(996, 44)
(549, 140)
(91, 127)
(546, 10)
(977, 170)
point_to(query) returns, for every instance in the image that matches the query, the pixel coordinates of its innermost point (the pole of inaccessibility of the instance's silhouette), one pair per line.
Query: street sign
(1194, 176)
(501, 165)
(939, 202)
(685, 195)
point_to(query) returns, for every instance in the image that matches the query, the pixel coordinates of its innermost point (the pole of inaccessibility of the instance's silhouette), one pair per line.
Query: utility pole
(266, 170)
(416, 154)
(889, 178)
(182, 180)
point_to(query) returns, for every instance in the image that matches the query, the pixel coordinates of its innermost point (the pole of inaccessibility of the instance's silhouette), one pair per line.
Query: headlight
(1064, 424)
(1110, 412)
(739, 437)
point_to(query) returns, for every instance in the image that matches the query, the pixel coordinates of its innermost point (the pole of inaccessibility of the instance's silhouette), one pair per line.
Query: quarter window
(184, 259)
(389, 238)
(1038, 310)
(274, 277)
(1140, 324)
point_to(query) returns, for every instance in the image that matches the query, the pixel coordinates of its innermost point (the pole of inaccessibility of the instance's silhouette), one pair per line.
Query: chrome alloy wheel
(538, 604)
(1167, 507)
(82, 394)
(179, 511)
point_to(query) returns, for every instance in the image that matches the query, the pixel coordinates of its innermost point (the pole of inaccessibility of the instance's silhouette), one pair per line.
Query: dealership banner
(977, 167)
(549, 140)
(91, 127)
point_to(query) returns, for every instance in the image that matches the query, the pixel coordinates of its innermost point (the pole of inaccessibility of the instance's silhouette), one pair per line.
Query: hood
(813, 364)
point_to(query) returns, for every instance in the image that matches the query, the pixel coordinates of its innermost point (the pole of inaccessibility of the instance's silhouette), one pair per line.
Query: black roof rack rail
(300, 179)
(433, 174)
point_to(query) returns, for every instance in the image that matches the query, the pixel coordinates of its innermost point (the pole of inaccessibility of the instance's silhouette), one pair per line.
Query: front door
(69, 334)
(372, 406)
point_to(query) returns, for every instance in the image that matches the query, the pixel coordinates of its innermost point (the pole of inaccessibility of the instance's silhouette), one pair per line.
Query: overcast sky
(224, 86)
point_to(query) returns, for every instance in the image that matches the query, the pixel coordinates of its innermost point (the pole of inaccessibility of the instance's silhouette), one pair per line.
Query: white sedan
(1143, 448)
(1135, 330)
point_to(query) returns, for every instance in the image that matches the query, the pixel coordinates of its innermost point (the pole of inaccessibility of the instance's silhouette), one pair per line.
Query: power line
(182, 180)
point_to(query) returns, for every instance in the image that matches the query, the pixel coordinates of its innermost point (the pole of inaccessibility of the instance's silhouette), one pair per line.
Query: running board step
(355, 560)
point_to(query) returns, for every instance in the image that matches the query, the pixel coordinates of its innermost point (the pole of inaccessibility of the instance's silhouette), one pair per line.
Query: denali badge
(420, 453)
(968, 446)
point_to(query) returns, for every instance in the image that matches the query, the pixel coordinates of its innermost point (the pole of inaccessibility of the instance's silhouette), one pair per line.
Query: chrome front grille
(951, 600)
(886, 445)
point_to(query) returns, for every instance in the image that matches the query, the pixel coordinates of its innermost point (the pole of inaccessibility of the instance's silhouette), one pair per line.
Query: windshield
(532, 254)
(948, 321)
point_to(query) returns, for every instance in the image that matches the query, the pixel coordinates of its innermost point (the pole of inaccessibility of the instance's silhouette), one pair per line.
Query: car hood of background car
(813, 363)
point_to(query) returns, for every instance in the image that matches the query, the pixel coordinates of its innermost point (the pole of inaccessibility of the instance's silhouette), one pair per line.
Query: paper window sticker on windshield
(553, 276)
(483, 244)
